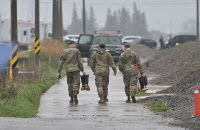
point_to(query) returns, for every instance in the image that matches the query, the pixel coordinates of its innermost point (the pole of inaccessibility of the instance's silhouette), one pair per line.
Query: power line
(116, 3)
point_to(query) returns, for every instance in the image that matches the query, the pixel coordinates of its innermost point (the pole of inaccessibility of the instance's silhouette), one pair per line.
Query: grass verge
(23, 99)
(158, 106)
(27, 99)
(140, 94)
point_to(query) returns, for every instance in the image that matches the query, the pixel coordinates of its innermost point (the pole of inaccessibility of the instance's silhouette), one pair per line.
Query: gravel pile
(178, 67)
(174, 64)
(143, 51)
(186, 84)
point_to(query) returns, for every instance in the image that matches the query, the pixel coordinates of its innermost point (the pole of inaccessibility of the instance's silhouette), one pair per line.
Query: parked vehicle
(180, 39)
(130, 39)
(71, 37)
(148, 42)
(84, 44)
(88, 43)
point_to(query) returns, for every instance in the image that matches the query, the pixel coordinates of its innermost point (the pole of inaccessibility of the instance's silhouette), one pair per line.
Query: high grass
(159, 106)
(52, 47)
(22, 99)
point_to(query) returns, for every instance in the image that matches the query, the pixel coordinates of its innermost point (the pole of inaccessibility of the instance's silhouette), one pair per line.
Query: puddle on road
(130, 110)
(102, 107)
(74, 110)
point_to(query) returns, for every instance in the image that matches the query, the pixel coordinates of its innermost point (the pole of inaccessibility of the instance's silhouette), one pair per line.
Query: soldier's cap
(126, 44)
(102, 43)
(71, 42)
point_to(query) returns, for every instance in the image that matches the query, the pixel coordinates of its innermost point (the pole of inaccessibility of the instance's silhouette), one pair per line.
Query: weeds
(27, 99)
(158, 106)
(140, 94)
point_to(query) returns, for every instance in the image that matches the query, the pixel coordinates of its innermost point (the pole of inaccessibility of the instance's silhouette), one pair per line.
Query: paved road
(56, 113)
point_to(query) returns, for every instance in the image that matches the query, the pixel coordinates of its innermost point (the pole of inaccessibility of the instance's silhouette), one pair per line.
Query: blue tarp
(5, 51)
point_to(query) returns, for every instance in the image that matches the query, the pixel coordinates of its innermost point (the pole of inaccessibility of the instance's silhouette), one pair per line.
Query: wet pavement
(116, 114)
(56, 113)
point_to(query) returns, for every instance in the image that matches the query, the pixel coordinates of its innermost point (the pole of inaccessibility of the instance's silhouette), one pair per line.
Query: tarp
(5, 53)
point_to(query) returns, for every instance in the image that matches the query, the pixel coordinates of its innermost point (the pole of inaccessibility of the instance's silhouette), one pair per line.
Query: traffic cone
(196, 102)
(147, 65)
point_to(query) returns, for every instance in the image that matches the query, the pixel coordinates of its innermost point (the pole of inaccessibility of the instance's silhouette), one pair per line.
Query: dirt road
(56, 113)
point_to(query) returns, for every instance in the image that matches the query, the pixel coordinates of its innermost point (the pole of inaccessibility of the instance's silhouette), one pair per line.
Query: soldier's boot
(87, 88)
(101, 99)
(105, 99)
(86, 82)
(83, 82)
(133, 99)
(83, 88)
(128, 99)
(75, 97)
(71, 100)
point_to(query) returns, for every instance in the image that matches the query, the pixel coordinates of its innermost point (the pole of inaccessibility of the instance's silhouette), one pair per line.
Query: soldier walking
(72, 58)
(99, 63)
(161, 40)
(127, 65)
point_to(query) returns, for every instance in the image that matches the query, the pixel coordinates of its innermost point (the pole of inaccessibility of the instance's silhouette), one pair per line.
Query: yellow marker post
(37, 51)
(14, 61)
(37, 46)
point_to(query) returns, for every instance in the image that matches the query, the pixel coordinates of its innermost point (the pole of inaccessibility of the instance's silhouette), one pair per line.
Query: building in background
(26, 32)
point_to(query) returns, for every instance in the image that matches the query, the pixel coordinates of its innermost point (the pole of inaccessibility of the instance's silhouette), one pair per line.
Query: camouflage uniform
(72, 58)
(127, 65)
(99, 63)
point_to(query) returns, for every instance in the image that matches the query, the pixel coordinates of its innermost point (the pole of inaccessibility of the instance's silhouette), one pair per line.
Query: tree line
(121, 20)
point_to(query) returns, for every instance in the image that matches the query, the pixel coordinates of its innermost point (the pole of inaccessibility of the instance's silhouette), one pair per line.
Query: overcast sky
(161, 14)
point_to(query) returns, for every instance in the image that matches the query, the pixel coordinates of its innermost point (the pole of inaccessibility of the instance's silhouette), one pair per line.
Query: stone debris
(178, 67)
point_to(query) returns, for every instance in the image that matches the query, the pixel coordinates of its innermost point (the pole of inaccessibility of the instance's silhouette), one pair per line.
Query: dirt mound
(186, 84)
(176, 66)
(143, 51)
(180, 68)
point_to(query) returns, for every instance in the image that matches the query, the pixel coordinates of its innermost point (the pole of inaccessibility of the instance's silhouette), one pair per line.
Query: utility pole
(57, 32)
(197, 20)
(84, 25)
(54, 31)
(60, 21)
(45, 30)
(14, 41)
(37, 33)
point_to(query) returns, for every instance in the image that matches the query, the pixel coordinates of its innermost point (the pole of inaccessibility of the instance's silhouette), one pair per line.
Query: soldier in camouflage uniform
(99, 63)
(127, 65)
(72, 58)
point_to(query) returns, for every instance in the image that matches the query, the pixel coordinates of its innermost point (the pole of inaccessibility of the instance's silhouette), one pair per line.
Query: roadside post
(37, 34)
(14, 61)
(14, 41)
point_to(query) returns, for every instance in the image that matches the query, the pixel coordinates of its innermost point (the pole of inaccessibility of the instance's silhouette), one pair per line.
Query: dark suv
(148, 42)
(89, 43)
(180, 39)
